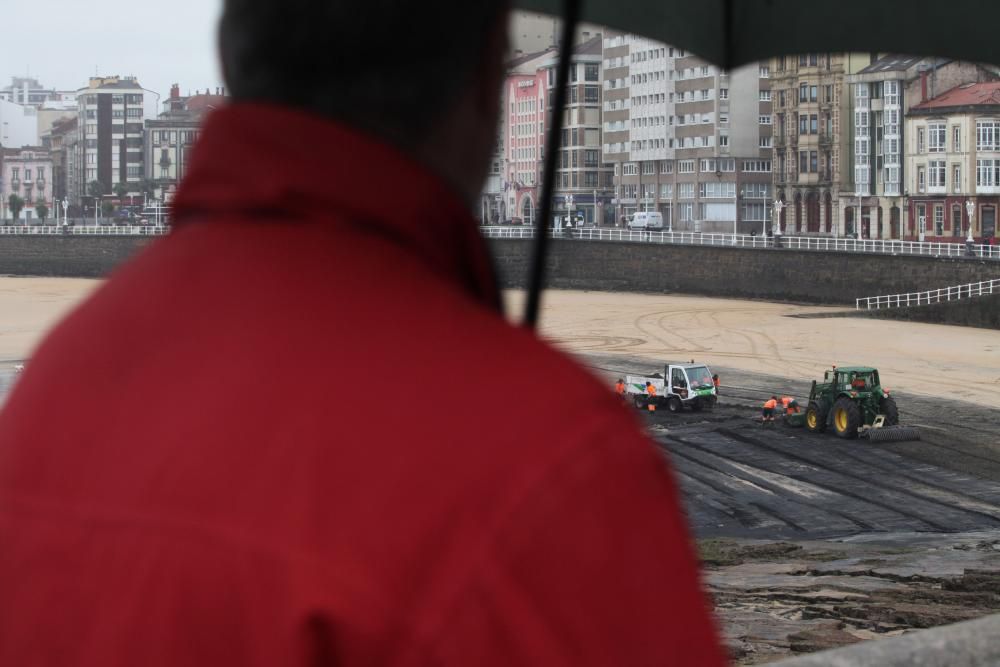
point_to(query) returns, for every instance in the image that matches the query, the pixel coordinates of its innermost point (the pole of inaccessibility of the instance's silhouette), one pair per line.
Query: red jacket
(189, 474)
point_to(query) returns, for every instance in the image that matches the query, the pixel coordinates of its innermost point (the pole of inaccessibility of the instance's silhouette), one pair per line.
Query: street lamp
(776, 225)
(970, 208)
(65, 208)
(779, 206)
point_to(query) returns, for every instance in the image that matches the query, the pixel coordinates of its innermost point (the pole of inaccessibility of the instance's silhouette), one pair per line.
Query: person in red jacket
(232, 506)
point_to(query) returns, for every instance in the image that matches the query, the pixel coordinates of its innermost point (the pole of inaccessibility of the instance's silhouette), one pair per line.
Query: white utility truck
(652, 221)
(678, 386)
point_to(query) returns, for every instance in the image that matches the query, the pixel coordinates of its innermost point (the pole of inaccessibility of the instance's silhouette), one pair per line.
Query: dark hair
(385, 65)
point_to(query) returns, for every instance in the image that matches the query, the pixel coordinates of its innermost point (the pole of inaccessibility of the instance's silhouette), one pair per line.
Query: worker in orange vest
(715, 383)
(769, 407)
(620, 388)
(651, 400)
(790, 405)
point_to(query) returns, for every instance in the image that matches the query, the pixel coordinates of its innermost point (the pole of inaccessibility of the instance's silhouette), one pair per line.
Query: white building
(18, 125)
(27, 173)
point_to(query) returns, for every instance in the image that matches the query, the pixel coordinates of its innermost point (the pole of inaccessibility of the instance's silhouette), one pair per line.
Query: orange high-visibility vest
(771, 403)
(785, 400)
(651, 390)
(620, 388)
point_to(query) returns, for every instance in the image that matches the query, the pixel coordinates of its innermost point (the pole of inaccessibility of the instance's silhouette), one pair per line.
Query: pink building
(525, 121)
(27, 173)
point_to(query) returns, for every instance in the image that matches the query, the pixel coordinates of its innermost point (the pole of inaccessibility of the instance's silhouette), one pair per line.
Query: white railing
(930, 296)
(818, 244)
(891, 247)
(84, 230)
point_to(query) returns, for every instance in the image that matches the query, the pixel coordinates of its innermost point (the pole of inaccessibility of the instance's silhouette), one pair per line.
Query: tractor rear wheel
(639, 401)
(846, 418)
(888, 407)
(674, 404)
(816, 417)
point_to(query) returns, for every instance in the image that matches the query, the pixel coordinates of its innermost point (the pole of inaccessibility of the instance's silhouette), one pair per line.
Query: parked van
(646, 220)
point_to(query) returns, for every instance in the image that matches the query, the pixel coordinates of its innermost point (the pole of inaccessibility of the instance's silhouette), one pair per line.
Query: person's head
(425, 76)
(774, 398)
(621, 381)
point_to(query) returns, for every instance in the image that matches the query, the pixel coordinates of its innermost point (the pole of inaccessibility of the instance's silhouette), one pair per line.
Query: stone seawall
(774, 275)
(68, 256)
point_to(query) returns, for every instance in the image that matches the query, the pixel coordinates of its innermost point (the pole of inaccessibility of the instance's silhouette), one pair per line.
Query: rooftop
(965, 95)
(895, 62)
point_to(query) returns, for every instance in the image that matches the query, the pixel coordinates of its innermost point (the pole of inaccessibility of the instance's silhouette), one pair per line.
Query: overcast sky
(64, 42)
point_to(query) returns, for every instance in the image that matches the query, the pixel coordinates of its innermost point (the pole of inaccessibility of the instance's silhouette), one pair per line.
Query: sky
(64, 42)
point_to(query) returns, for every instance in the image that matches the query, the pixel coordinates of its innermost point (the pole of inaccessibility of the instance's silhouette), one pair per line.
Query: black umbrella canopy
(730, 33)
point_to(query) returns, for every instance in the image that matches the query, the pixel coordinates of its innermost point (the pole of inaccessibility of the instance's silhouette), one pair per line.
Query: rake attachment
(892, 434)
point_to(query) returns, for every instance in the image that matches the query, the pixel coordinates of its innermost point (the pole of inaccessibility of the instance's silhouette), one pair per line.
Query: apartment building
(883, 94)
(584, 180)
(110, 117)
(953, 160)
(171, 136)
(812, 139)
(27, 91)
(686, 138)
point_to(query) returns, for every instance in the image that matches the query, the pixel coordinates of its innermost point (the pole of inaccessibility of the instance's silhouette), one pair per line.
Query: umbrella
(730, 33)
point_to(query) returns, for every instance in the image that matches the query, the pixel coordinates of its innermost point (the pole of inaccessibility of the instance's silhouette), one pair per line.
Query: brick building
(954, 158)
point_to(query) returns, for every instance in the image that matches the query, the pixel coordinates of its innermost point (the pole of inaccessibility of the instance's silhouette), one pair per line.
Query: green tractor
(852, 402)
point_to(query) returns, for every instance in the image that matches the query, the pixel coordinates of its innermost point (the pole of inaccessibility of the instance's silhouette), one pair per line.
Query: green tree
(96, 189)
(16, 205)
(121, 190)
(107, 208)
(42, 209)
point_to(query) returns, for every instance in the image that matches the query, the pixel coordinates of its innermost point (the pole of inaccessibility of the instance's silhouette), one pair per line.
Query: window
(764, 72)
(757, 166)
(707, 166)
(685, 212)
(764, 142)
(803, 162)
(717, 190)
(705, 94)
(756, 212)
(828, 94)
(987, 135)
(956, 220)
(812, 124)
(765, 119)
(956, 139)
(630, 169)
(939, 220)
(803, 92)
(666, 191)
(591, 72)
(757, 191)
(727, 164)
(781, 98)
(935, 174)
(648, 168)
(987, 173)
(685, 167)
(812, 94)
(956, 178)
(765, 96)
(723, 140)
(935, 137)
(921, 180)
(591, 95)
(813, 162)
(920, 140)
(891, 91)
(667, 167)
(685, 190)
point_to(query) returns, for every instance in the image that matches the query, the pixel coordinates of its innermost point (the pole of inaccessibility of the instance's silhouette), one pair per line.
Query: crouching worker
(767, 414)
(790, 405)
